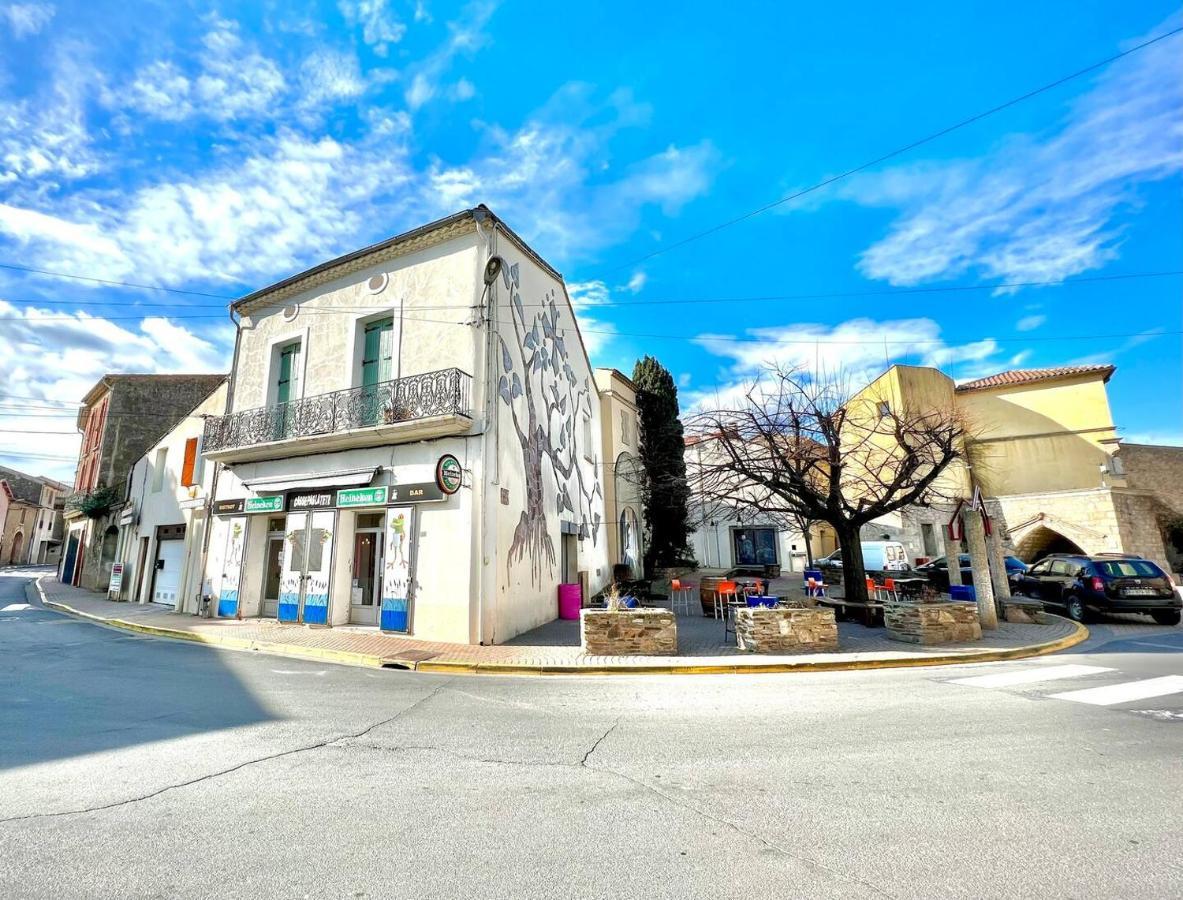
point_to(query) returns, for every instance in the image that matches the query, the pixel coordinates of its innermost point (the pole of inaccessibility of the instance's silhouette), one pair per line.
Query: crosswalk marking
(1030, 676)
(1124, 693)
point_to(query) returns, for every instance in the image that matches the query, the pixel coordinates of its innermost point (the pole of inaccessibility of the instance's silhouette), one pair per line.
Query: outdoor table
(911, 587)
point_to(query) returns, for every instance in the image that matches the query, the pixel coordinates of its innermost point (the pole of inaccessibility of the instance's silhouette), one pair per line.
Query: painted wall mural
(549, 406)
(396, 571)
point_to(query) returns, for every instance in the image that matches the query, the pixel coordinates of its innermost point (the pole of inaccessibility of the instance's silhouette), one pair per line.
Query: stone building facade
(120, 417)
(412, 443)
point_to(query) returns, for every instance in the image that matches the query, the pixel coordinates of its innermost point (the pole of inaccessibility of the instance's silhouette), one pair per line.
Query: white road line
(1124, 693)
(1153, 644)
(1029, 676)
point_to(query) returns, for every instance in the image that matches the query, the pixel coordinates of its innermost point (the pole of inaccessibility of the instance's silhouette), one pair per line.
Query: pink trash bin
(570, 601)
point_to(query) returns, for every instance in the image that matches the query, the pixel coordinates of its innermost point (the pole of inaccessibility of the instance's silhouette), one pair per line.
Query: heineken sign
(368, 496)
(448, 474)
(264, 504)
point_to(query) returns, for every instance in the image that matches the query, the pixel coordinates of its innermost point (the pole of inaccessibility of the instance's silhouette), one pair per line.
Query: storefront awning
(343, 478)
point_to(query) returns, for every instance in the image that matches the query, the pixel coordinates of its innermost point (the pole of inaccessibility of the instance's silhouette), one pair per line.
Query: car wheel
(1076, 610)
(1167, 616)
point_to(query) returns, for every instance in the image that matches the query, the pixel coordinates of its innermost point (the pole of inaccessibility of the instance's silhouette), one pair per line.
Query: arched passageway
(1042, 541)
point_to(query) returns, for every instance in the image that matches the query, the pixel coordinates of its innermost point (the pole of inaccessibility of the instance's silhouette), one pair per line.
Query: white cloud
(232, 80)
(421, 12)
(596, 333)
(1030, 323)
(850, 353)
(550, 174)
(1037, 207)
(328, 76)
(380, 27)
(26, 19)
(636, 283)
(465, 35)
(291, 202)
(57, 357)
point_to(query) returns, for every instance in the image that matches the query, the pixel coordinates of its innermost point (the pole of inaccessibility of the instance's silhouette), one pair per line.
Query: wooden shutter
(190, 462)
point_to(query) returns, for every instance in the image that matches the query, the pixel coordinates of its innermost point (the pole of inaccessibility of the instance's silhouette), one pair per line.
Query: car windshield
(1130, 568)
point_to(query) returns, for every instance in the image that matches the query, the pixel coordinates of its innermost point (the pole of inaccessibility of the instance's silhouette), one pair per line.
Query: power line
(901, 150)
(113, 283)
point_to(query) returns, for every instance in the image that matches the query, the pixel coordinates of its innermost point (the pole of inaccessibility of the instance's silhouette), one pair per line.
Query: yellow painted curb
(345, 657)
(446, 667)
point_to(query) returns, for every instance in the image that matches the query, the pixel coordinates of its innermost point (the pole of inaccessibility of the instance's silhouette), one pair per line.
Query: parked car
(1105, 583)
(937, 570)
(878, 556)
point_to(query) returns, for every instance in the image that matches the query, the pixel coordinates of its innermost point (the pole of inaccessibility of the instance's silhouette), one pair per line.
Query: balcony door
(377, 367)
(287, 385)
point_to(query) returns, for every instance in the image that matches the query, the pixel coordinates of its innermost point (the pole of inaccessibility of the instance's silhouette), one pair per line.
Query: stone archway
(14, 555)
(1042, 541)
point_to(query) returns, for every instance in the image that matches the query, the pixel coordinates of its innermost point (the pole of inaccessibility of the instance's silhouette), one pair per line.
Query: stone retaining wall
(1023, 613)
(778, 630)
(628, 632)
(932, 623)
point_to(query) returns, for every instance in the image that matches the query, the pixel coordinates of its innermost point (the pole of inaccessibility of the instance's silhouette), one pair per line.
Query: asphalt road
(138, 767)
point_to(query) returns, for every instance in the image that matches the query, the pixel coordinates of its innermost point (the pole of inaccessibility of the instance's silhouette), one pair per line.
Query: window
(928, 537)
(1130, 568)
(1063, 567)
(158, 470)
(1039, 568)
(287, 382)
(625, 437)
(884, 409)
(377, 362)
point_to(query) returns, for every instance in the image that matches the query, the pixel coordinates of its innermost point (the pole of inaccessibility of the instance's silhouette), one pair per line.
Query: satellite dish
(493, 269)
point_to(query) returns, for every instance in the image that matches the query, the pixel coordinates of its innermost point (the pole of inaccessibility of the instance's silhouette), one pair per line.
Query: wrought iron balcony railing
(440, 393)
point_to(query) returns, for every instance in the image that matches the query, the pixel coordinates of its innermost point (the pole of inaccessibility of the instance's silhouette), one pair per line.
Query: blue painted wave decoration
(394, 614)
(289, 607)
(228, 604)
(316, 609)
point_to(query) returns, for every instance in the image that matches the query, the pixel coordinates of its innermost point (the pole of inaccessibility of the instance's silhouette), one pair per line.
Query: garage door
(169, 557)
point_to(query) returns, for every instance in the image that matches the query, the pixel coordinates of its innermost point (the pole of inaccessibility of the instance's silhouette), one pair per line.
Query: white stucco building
(162, 524)
(412, 443)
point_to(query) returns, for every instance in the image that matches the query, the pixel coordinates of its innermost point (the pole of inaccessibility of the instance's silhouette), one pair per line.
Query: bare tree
(810, 451)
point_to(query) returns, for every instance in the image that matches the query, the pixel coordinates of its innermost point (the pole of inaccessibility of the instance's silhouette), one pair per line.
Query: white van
(878, 556)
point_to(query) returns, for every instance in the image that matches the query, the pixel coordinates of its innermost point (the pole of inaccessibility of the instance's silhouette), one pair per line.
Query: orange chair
(681, 595)
(889, 589)
(726, 593)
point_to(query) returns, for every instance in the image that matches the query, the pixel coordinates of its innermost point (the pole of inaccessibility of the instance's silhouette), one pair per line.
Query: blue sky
(219, 149)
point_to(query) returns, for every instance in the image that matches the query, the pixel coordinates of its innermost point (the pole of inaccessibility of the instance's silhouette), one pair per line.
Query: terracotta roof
(1029, 376)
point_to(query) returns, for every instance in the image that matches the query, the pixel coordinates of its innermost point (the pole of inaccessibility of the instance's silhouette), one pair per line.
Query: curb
(444, 667)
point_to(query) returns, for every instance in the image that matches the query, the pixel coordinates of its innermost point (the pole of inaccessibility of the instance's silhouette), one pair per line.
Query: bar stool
(725, 593)
(680, 595)
(889, 589)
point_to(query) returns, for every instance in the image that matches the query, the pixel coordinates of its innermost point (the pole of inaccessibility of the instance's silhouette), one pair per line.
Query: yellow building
(1043, 448)
(620, 437)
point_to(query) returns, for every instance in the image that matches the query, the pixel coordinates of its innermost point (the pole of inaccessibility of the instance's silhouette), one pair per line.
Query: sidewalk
(553, 648)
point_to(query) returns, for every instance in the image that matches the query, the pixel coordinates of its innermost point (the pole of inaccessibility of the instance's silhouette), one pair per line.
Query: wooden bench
(870, 614)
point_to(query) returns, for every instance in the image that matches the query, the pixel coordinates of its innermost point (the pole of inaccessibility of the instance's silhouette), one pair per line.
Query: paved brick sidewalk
(553, 647)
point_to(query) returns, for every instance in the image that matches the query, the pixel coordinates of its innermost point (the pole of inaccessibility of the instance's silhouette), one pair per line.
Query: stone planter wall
(628, 632)
(1023, 613)
(785, 630)
(932, 623)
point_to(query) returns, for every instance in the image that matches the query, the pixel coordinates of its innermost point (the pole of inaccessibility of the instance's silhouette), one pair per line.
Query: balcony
(414, 408)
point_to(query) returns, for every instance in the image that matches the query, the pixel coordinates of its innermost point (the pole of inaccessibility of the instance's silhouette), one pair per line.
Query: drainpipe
(202, 605)
(490, 443)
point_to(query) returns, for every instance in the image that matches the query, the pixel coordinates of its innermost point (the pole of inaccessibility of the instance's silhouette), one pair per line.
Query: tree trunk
(854, 575)
(975, 536)
(808, 546)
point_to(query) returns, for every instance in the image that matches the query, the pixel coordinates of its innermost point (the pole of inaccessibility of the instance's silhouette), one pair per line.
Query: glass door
(291, 577)
(273, 569)
(367, 572)
(318, 567)
(397, 580)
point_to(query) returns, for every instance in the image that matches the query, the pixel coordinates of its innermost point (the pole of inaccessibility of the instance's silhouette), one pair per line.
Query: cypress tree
(664, 492)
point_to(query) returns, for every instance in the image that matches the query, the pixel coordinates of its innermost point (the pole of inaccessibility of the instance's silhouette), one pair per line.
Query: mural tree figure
(546, 400)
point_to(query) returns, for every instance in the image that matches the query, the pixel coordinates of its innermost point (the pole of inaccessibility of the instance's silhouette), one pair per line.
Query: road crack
(242, 765)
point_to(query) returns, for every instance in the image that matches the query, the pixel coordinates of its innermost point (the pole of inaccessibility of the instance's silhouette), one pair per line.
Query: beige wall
(430, 293)
(529, 525)
(1046, 436)
(621, 463)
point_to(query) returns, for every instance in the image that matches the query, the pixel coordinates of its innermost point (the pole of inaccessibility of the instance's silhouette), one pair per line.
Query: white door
(169, 557)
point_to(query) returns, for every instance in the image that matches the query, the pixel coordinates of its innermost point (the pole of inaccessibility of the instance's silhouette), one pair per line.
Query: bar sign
(264, 504)
(369, 496)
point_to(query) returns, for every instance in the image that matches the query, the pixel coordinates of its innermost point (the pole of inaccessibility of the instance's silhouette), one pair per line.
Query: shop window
(754, 546)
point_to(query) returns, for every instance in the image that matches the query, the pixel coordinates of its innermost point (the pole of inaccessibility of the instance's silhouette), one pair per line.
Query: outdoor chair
(888, 591)
(815, 588)
(724, 594)
(735, 602)
(681, 595)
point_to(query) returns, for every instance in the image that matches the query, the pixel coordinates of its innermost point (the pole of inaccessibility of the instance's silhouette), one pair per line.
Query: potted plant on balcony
(97, 503)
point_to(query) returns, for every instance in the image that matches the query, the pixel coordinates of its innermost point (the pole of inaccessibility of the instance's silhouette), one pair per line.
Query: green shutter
(377, 363)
